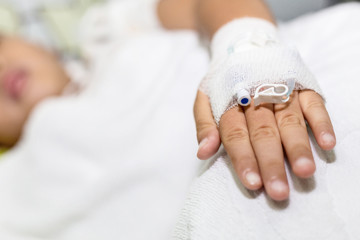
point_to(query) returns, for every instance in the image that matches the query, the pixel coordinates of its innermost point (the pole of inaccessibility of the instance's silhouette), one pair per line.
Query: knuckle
(300, 149)
(235, 134)
(264, 132)
(322, 124)
(272, 166)
(289, 120)
(202, 125)
(244, 161)
(314, 104)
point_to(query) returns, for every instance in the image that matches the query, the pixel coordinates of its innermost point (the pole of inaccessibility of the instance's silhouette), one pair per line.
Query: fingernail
(279, 187)
(304, 167)
(328, 139)
(303, 163)
(253, 178)
(203, 143)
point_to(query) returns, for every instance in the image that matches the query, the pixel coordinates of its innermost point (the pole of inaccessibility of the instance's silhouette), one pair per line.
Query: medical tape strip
(247, 53)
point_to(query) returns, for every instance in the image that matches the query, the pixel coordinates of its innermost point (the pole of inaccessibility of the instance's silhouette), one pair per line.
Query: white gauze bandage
(246, 55)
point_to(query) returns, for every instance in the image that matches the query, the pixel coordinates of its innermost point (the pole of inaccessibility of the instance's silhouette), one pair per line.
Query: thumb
(207, 132)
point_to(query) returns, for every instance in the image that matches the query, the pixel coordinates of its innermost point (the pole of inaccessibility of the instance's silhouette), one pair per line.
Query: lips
(14, 82)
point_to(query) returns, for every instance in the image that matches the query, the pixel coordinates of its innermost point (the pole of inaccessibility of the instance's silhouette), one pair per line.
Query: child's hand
(247, 59)
(254, 138)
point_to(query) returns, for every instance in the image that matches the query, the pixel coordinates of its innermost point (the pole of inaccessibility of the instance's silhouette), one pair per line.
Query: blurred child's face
(28, 74)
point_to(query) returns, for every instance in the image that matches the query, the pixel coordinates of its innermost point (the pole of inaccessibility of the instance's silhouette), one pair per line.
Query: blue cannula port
(244, 101)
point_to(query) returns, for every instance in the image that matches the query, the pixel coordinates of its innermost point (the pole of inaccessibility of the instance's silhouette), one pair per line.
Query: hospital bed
(110, 164)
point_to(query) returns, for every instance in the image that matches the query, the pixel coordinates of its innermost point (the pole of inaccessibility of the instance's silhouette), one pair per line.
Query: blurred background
(288, 9)
(53, 22)
(285, 9)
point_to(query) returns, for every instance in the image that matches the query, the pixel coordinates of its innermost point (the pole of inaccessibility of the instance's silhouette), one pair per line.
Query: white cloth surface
(116, 161)
(326, 206)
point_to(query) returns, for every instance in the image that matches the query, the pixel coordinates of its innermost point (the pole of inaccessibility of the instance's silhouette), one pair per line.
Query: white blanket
(116, 161)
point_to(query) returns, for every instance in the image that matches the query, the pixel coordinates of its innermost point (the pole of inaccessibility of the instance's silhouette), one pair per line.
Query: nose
(2, 62)
(2, 70)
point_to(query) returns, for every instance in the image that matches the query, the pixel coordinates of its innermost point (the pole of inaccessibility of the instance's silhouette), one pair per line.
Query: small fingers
(265, 139)
(207, 132)
(235, 137)
(314, 110)
(294, 136)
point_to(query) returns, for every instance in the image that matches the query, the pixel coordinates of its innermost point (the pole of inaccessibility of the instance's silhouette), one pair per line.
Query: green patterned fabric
(60, 21)
(63, 22)
(9, 22)
(2, 151)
